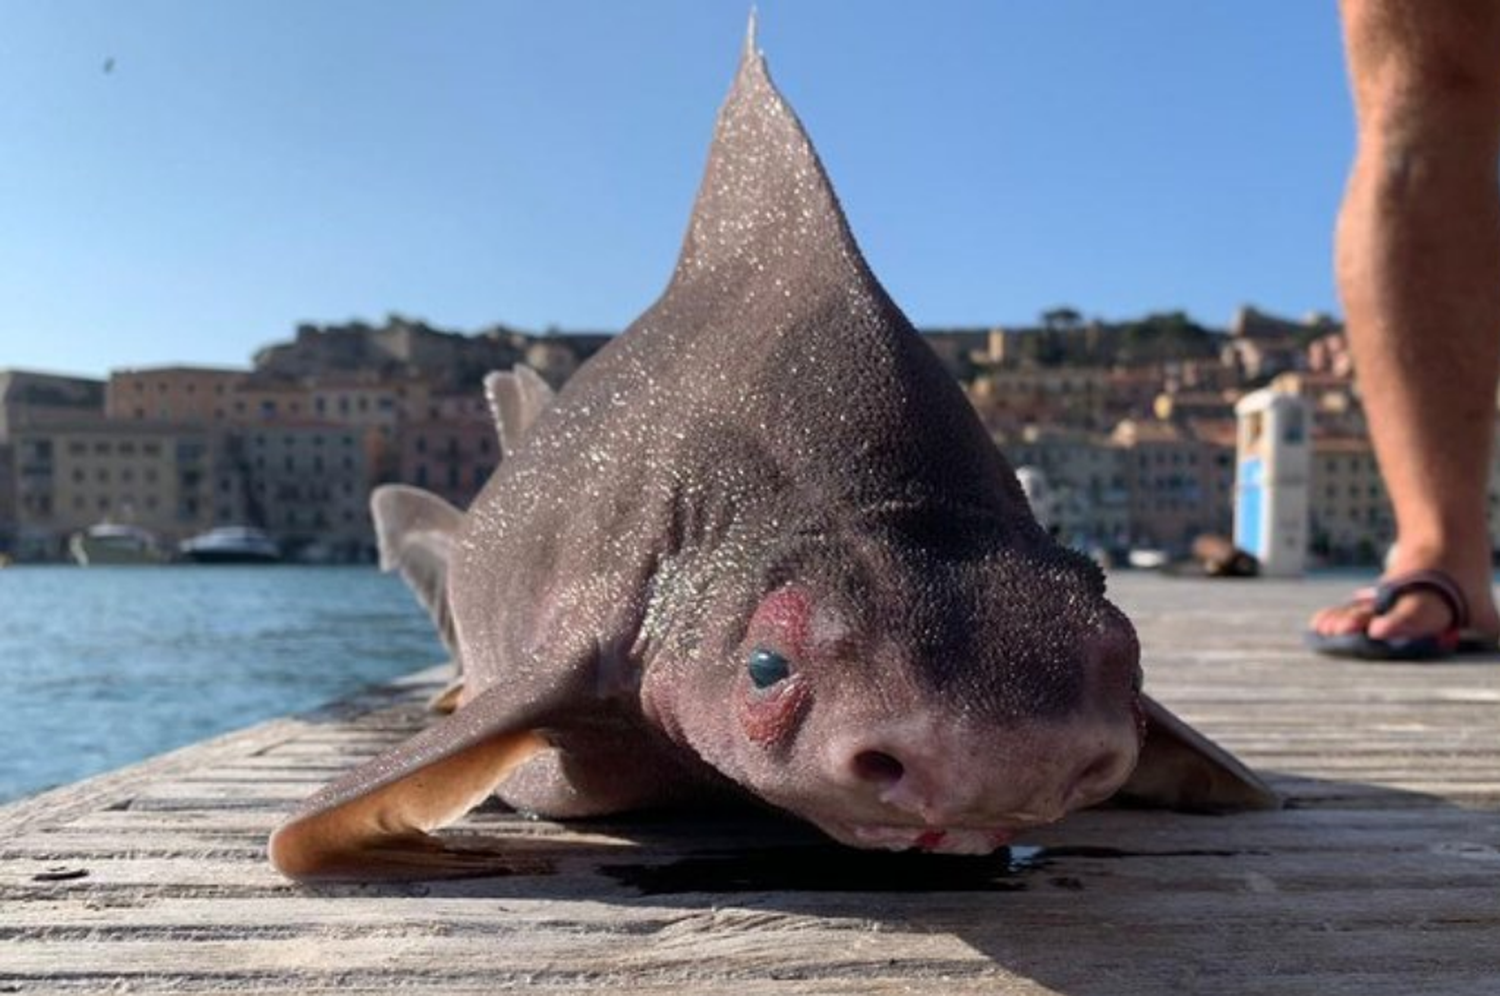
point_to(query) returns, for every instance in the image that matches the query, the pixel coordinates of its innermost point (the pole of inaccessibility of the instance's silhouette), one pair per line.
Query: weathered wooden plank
(1383, 878)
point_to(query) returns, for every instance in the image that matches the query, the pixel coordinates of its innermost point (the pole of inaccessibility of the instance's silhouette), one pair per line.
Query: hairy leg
(1418, 263)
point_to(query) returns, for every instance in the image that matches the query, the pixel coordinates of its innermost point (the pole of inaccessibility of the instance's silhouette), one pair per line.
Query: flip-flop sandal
(1456, 639)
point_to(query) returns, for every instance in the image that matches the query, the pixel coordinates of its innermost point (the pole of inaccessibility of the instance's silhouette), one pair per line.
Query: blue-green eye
(767, 667)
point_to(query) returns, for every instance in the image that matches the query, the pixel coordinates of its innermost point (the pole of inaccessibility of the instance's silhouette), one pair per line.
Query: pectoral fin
(415, 530)
(1180, 768)
(374, 823)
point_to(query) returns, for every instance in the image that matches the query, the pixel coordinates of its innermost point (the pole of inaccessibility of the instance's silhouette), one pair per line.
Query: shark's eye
(767, 667)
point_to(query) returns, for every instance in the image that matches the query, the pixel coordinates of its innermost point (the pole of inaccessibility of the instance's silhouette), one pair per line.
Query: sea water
(100, 667)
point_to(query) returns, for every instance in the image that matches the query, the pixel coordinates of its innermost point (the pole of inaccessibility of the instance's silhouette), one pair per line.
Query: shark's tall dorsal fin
(765, 195)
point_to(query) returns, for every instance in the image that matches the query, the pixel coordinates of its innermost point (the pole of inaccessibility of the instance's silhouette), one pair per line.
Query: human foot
(1413, 615)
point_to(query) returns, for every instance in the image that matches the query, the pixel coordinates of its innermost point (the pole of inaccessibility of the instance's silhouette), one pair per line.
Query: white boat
(231, 545)
(114, 543)
(1147, 558)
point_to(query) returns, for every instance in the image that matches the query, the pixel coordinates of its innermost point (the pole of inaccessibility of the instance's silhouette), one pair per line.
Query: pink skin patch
(781, 622)
(784, 615)
(770, 716)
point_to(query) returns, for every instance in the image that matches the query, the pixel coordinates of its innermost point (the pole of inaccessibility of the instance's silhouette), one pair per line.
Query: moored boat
(114, 543)
(231, 545)
(1147, 558)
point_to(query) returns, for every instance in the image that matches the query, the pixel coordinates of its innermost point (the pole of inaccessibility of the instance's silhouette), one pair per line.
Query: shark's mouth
(935, 840)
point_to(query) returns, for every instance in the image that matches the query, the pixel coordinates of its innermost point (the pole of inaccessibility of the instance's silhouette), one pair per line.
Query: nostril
(878, 766)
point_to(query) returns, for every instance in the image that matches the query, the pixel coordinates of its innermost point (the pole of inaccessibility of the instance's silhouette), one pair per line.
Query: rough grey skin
(768, 472)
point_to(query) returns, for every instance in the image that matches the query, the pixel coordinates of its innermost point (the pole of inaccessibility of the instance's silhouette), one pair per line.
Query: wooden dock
(1382, 875)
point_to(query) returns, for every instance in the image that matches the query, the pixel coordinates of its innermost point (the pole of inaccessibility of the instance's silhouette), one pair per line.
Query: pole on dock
(1271, 481)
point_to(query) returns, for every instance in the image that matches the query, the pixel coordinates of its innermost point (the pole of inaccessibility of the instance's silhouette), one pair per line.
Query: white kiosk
(1274, 458)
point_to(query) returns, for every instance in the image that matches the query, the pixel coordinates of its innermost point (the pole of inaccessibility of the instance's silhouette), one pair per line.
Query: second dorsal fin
(516, 396)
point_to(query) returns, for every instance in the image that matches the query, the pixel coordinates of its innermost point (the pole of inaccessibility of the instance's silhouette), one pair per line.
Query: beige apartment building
(1016, 396)
(1179, 480)
(1349, 513)
(203, 395)
(30, 400)
(170, 478)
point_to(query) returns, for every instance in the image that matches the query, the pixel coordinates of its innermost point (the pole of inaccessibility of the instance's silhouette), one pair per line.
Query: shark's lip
(932, 839)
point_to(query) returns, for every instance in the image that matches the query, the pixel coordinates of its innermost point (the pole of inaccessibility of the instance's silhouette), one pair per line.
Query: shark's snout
(920, 771)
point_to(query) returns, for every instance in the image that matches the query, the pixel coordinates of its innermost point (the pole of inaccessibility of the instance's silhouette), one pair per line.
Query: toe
(1341, 620)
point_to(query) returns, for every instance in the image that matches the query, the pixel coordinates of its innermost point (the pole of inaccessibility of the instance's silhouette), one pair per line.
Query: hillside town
(1128, 427)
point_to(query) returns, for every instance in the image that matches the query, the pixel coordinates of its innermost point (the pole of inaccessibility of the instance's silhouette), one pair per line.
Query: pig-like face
(897, 697)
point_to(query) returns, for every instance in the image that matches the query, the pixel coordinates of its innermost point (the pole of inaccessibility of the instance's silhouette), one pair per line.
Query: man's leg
(1418, 262)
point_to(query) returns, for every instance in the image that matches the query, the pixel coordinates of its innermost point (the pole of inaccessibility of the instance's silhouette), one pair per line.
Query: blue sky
(247, 166)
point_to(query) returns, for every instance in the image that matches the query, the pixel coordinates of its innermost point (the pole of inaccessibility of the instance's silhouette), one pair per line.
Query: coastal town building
(29, 399)
(1086, 476)
(1261, 345)
(202, 395)
(453, 453)
(1349, 512)
(1072, 396)
(308, 485)
(173, 479)
(1178, 483)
